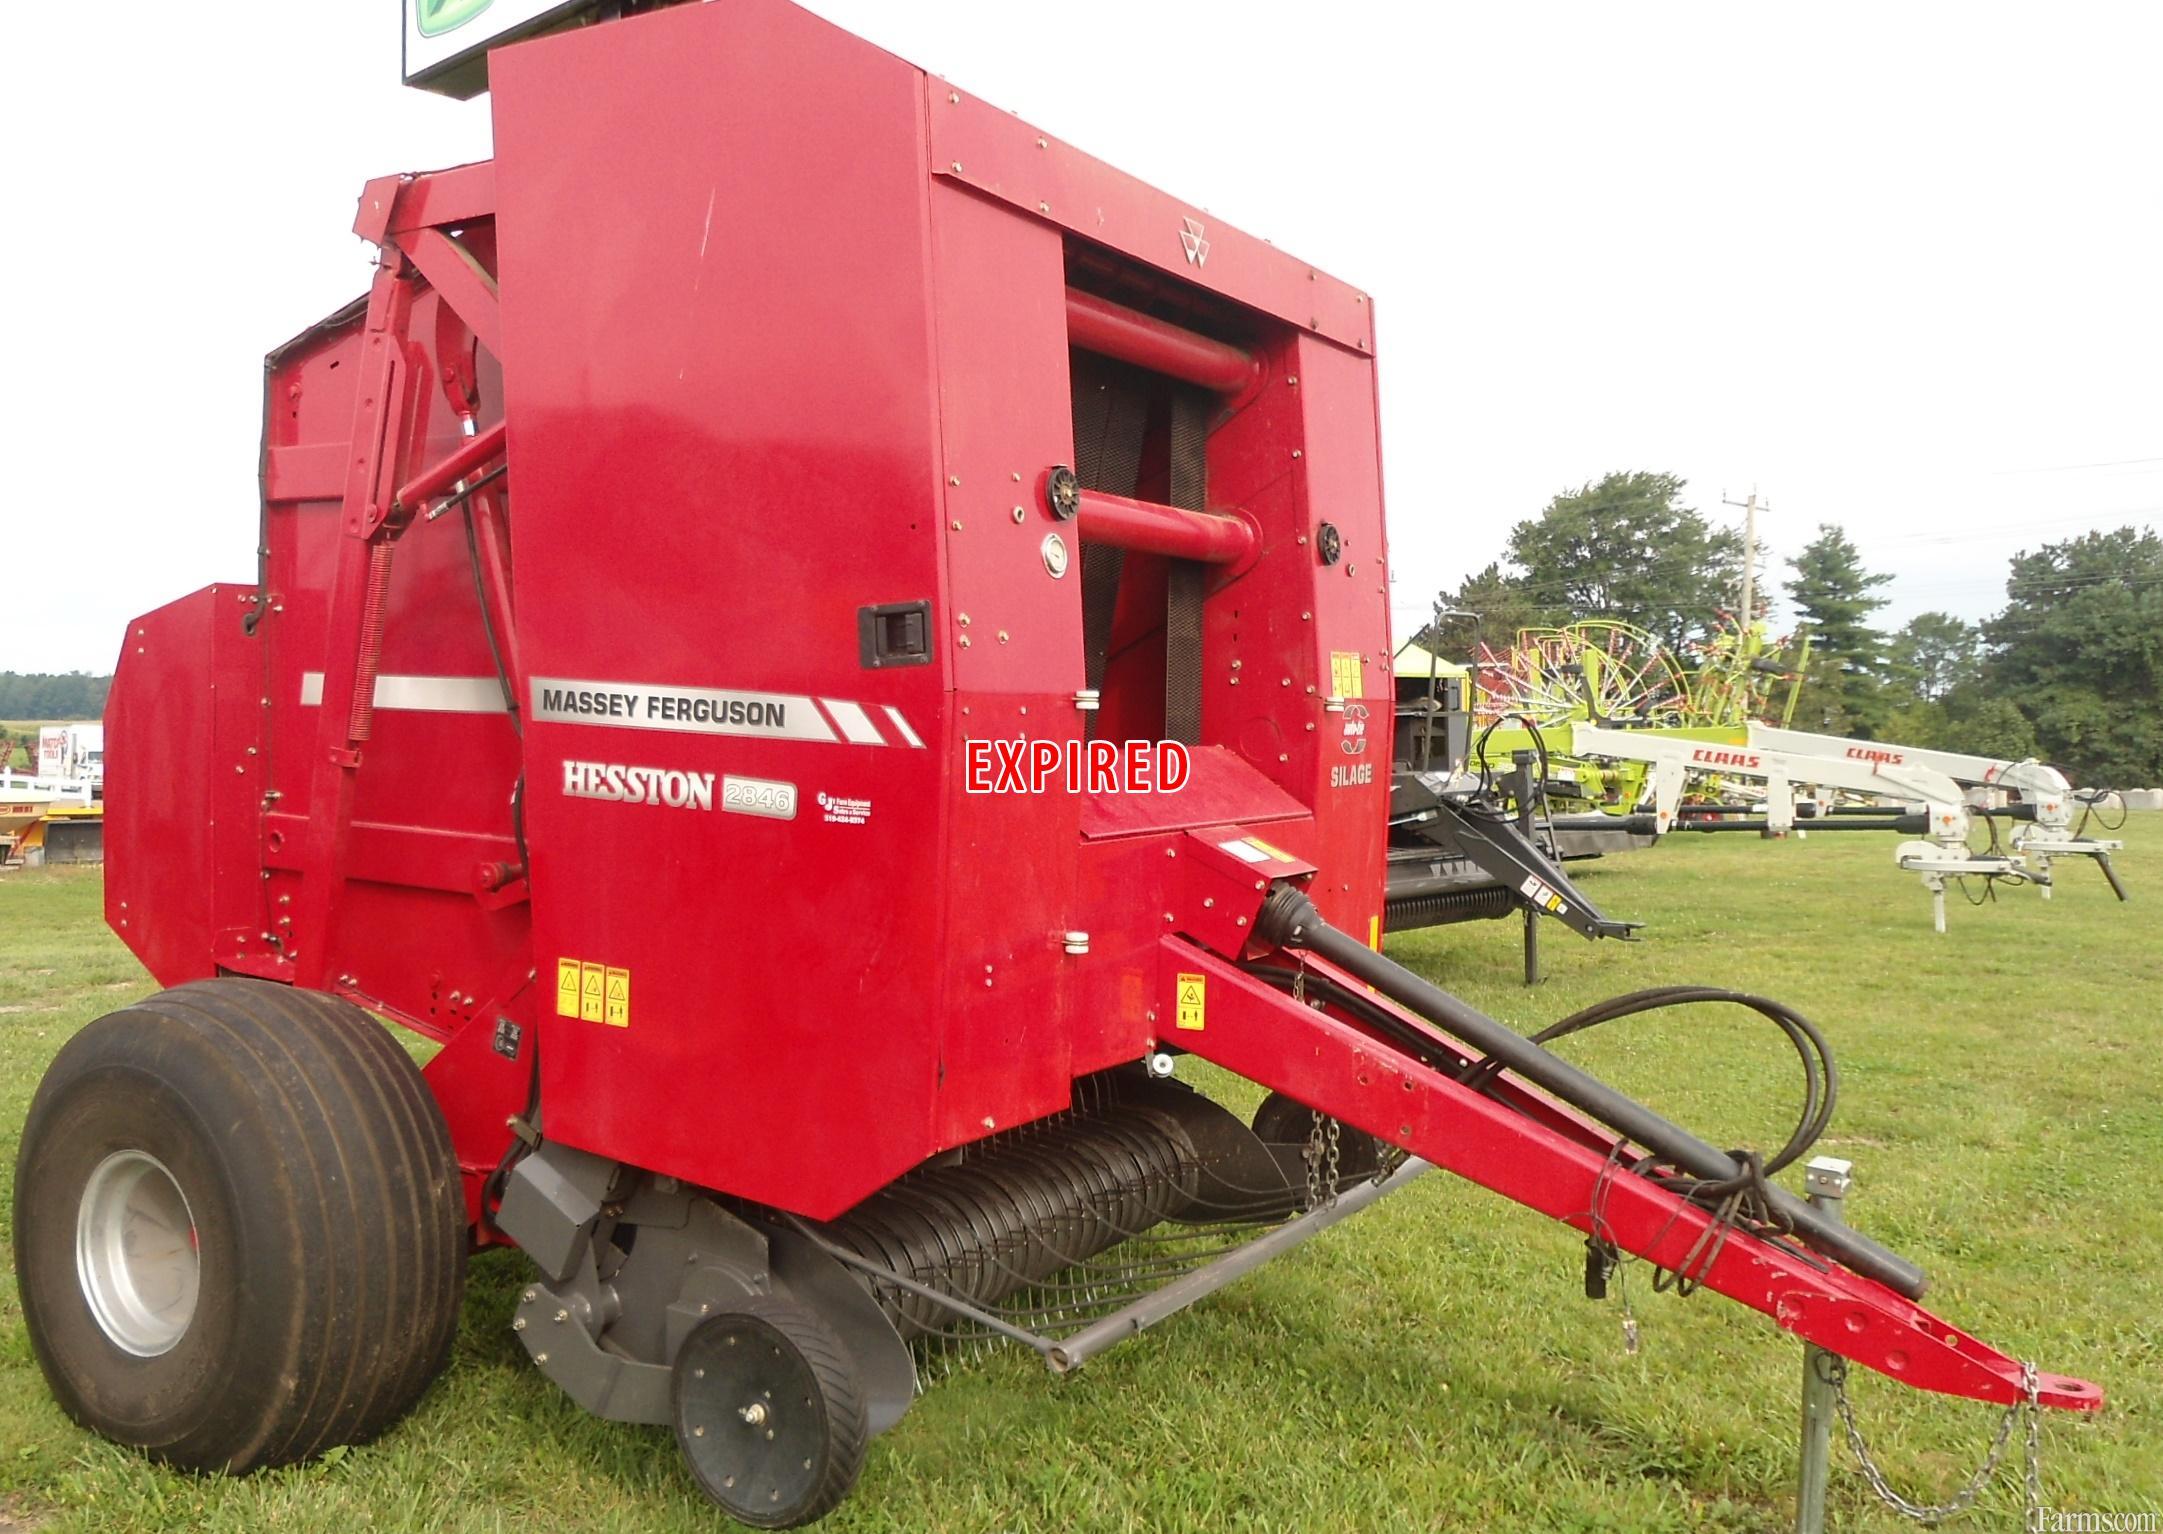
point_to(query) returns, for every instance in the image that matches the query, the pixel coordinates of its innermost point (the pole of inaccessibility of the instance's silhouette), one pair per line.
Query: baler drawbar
(705, 485)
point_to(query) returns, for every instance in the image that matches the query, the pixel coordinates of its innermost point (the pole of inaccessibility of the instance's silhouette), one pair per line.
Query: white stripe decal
(854, 722)
(689, 710)
(420, 694)
(902, 725)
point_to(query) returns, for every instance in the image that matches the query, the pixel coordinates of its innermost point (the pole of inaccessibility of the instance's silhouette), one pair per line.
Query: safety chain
(1387, 1159)
(1321, 1152)
(1321, 1157)
(1835, 1372)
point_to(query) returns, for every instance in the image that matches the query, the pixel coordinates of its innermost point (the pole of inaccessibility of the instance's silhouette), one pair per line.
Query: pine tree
(1834, 595)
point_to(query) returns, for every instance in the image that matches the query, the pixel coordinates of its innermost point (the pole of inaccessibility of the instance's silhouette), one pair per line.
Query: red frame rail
(1112, 330)
(1149, 527)
(1258, 1032)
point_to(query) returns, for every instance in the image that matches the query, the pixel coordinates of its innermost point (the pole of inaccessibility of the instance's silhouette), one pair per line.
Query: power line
(1965, 533)
(2069, 468)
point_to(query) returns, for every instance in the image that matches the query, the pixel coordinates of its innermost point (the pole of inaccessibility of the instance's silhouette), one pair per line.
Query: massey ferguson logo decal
(1713, 757)
(1192, 242)
(640, 785)
(1876, 754)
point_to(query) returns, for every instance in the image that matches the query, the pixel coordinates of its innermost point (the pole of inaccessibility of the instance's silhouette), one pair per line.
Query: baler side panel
(1337, 479)
(162, 757)
(432, 799)
(716, 323)
(999, 305)
(1284, 637)
(1007, 881)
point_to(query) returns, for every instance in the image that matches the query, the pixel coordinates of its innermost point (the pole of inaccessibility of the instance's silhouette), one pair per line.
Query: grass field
(1431, 1364)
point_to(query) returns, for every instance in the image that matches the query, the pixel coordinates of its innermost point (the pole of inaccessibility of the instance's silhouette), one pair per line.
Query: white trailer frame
(1944, 854)
(2041, 787)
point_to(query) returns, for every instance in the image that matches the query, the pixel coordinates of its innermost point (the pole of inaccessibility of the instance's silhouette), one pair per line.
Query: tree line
(2070, 669)
(46, 695)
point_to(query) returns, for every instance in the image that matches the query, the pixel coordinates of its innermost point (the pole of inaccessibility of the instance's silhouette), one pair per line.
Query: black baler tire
(328, 1215)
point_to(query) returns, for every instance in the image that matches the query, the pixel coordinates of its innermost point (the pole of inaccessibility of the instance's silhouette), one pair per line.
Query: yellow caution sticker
(1193, 1001)
(1374, 933)
(1345, 675)
(595, 993)
(1276, 852)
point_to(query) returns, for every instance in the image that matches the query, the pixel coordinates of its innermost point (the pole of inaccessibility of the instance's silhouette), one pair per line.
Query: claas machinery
(811, 640)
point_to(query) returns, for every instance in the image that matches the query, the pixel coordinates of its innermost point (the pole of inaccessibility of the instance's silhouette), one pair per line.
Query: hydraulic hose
(1289, 919)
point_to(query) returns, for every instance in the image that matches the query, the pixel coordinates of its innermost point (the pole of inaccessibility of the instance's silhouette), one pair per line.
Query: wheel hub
(136, 1253)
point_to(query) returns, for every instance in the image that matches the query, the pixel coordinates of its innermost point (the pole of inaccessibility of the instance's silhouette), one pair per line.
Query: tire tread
(364, 1184)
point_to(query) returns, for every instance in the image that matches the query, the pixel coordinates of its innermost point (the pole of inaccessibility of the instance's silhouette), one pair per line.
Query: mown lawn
(1433, 1364)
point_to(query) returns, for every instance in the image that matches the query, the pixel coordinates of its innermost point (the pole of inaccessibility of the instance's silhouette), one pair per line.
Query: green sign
(436, 17)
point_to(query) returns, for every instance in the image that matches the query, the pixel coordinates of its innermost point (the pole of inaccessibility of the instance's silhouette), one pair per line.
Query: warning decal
(1543, 895)
(1345, 675)
(1193, 998)
(594, 993)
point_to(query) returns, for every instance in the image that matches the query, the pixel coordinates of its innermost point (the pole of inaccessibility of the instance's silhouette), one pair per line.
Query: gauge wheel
(770, 1413)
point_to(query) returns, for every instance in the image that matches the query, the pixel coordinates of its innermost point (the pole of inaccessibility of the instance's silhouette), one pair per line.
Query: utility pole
(1750, 509)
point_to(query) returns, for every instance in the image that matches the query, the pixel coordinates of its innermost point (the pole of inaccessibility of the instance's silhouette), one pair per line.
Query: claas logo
(1723, 758)
(437, 17)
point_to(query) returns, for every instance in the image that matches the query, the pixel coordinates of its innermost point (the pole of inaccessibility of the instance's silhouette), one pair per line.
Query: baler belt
(1191, 411)
(1183, 652)
(1111, 420)
(1101, 565)
(1112, 409)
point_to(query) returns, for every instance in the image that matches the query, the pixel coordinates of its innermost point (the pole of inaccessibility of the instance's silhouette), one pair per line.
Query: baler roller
(1007, 1217)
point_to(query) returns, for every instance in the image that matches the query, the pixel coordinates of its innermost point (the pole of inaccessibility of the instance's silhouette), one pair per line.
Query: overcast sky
(1895, 266)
